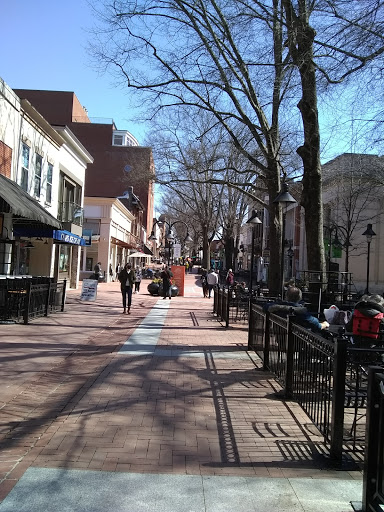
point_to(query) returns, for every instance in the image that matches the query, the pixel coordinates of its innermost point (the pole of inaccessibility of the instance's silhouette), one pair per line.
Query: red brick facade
(115, 168)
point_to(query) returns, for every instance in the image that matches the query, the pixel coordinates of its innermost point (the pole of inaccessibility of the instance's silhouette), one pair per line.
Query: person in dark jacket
(292, 305)
(97, 270)
(368, 307)
(127, 278)
(166, 275)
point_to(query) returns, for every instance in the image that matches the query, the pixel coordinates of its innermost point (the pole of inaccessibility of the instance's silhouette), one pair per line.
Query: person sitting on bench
(367, 322)
(292, 304)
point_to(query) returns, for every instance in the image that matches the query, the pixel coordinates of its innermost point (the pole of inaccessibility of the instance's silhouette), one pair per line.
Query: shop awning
(13, 199)
(59, 235)
(147, 250)
(138, 255)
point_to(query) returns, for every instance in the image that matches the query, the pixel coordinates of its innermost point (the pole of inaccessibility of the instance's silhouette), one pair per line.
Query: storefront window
(64, 258)
(23, 261)
(89, 264)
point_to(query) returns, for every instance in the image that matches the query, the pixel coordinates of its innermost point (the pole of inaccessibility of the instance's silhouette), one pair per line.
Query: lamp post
(368, 233)
(169, 239)
(283, 198)
(290, 256)
(253, 220)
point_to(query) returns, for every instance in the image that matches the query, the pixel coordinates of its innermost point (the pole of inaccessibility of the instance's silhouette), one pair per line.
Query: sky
(43, 46)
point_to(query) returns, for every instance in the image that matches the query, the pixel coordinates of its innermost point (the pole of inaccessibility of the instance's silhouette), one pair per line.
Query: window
(38, 169)
(48, 196)
(24, 167)
(118, 140)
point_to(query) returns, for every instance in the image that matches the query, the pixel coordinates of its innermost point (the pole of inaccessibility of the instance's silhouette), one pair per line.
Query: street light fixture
(284, 198)
(253, 220)
(368, 233)
(290, 254)
(169, 238)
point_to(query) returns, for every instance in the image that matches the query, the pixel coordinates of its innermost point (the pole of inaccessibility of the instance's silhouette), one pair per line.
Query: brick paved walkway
(79, 393)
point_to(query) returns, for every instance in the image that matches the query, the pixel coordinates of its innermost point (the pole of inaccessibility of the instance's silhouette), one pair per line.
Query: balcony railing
(71, 212)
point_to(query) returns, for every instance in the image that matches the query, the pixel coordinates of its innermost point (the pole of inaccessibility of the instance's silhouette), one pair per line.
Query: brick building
(120, 165)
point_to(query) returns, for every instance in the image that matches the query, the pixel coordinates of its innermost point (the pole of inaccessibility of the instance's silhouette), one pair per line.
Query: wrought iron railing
(22, 299)
(373, 482)
(326, 376)
(229, 306)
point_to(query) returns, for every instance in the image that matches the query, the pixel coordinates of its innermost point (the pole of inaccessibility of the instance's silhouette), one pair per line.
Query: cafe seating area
(23, 298)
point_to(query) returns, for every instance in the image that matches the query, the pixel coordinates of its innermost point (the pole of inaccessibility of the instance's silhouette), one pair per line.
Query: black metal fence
(229, 306)
(373, 480)
(22, 299)
(326, 376)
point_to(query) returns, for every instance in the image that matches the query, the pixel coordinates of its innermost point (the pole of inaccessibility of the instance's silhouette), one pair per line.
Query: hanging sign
(176, 251)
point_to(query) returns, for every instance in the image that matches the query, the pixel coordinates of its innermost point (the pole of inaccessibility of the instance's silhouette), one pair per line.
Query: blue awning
(66, 237)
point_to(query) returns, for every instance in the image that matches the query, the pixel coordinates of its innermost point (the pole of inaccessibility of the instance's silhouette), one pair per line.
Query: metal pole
(252, 261)
(282, 256)
(368, 258)
(169, 249)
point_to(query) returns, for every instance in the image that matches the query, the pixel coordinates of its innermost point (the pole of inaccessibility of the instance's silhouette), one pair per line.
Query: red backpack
(367, 326)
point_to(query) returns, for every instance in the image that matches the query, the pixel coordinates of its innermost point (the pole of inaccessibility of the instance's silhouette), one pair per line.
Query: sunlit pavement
(160, 410)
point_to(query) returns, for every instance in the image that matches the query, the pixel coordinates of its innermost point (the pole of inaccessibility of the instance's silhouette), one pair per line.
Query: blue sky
(43, 46)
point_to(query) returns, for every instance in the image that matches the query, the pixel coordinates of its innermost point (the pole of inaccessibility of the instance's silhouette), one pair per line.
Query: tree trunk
(309, 152)
(206, 249)
(275, 229)
(229, 244)
(300, 37)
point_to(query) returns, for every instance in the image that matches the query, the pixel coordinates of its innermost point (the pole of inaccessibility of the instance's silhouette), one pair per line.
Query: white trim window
(38, 171)
(48, 196)
(118, 140)
(25, 153)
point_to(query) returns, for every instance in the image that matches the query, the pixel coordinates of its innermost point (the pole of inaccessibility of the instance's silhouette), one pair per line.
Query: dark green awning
(13, 199)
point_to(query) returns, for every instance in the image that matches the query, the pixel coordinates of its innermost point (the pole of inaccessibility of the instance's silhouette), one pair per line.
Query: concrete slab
(148, 332)
(61, 490)
(325, 494)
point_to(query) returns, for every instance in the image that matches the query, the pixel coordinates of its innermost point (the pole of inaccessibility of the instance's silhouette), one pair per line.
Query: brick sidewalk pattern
(201, 405)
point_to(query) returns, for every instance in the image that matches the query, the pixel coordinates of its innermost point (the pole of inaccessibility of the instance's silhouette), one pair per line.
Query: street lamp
(290, 254)
(368, 233)
(253, 220)
(169, 238)
(284, 198)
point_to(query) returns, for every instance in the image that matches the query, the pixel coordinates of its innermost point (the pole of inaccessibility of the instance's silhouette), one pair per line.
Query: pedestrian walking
(138, 278)
(166, 275)
(212, 280)
(204, 283)
(110, 272)
(127, 278)
(97, 270)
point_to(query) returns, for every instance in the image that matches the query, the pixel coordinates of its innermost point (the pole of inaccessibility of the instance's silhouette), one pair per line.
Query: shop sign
(89, 290)
(68, 238)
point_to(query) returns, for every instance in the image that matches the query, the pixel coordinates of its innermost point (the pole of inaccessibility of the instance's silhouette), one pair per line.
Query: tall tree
(208, 56)
(236, 60)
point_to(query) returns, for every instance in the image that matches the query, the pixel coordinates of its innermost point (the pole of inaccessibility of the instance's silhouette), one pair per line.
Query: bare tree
(202, 55)
(236, 61)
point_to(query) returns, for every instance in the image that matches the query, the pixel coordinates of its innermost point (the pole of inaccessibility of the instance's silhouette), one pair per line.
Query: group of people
(368, 311)
(131, 278)
(366, 322)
